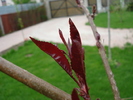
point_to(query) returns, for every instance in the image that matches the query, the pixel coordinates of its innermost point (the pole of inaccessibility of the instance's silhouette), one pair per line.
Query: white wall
(8, 2)
(38, 1)
(100, 8)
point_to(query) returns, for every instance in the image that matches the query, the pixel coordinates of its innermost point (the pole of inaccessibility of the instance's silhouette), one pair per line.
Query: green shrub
(130, 7)
(1, 32)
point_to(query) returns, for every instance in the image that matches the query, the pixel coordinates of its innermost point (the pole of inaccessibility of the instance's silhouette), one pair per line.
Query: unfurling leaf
(74, 32)
(55, 53)
(77, 62)
(77, 58)
(74, 95)
(64, 41)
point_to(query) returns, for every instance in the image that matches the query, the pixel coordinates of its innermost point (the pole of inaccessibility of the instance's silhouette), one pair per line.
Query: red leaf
(69, 47)
(55, 53)
(74, 95)
(77, 59)
(64, 41)
(74, 32)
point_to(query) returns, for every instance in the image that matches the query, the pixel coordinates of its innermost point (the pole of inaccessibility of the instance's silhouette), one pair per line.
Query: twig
(32, 81)
(101, 51)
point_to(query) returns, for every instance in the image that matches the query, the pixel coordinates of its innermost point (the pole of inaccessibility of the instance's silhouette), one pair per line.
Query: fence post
(48, 9)
(99, 5)
(1, 25)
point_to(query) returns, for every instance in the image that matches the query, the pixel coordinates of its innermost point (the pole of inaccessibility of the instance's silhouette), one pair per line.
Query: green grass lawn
(117, 20)
(31, 58)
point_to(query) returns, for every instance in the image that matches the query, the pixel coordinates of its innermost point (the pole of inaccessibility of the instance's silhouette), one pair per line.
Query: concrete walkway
(48, 31)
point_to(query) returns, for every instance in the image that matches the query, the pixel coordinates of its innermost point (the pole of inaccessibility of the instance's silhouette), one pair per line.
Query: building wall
(38, 1)
(94, 2)
(8, 2)
(104, 3)
(91, 2)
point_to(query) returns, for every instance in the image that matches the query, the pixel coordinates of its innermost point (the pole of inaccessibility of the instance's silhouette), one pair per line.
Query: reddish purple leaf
(77, 59)
(69, 47)
(64, 41)
(55, 53)
(76, 54)
(74, 32)
(74, 95)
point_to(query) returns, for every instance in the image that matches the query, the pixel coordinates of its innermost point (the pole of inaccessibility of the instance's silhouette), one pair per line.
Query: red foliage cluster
(76, 56)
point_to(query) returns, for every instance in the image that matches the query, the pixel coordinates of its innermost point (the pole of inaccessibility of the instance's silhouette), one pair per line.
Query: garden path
(48, 31)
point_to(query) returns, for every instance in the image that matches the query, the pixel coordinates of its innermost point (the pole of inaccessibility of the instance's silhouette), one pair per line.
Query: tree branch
(101, 51)
(32, 81)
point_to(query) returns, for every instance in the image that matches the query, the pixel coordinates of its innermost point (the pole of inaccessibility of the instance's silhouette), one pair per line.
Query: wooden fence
(33, 16)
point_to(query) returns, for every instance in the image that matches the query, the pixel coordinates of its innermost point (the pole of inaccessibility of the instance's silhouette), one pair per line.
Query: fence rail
(30, 17)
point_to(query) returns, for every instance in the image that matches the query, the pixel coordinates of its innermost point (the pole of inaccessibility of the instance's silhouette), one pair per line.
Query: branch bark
(101, 51)
(32, 81)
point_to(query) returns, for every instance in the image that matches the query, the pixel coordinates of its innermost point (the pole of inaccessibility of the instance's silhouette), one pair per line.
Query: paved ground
(48, 31)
